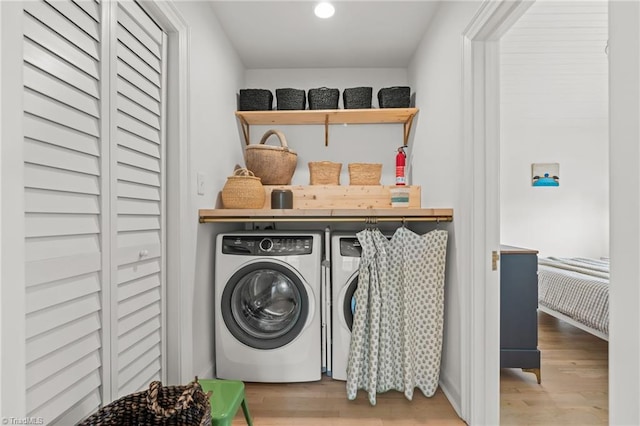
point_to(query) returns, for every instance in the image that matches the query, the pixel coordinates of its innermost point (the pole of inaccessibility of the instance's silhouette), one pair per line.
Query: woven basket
(357, 97)
(323, 98)
(324, 173)
(255, 100)
(291, 99)
(273, 164)
(159, 405)
(365, 173)
(243, 191)
(394, 97)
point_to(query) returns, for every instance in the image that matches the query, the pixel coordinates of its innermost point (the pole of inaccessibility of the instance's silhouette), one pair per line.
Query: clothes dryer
(345, 260)
(267, 306)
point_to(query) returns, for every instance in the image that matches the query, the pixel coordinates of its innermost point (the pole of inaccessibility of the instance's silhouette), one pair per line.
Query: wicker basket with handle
(365, 173)
(273, 164)
(159, 405)
(324, 173)
(243, 191)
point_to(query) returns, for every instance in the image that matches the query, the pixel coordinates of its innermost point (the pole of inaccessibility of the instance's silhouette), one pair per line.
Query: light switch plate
(200, 183)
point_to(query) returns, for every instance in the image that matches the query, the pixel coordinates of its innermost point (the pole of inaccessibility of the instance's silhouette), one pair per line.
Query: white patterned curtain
(396, 340)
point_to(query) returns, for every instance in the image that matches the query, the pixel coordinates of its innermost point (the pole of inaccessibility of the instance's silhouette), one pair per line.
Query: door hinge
(495, 257)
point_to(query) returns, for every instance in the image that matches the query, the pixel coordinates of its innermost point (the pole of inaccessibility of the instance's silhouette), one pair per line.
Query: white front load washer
(267, 306)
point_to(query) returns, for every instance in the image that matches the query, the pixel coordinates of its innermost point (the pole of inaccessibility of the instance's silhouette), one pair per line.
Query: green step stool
(227, 397)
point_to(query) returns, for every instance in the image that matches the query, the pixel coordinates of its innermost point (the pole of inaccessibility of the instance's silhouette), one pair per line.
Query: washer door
(265, 305)
(349, 301)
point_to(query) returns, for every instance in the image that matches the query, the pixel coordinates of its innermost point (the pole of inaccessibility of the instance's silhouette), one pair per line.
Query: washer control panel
(249, 245)
(350, 246)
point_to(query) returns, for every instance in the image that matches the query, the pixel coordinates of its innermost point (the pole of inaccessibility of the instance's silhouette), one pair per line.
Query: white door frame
(624, 213)
(13, 400)
(178, 321)
(481, 313)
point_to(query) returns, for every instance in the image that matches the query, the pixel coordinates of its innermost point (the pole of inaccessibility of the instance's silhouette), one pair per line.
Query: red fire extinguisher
(401, 160)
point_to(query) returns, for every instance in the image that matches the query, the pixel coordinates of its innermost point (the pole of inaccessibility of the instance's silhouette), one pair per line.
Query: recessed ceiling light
(324, 10)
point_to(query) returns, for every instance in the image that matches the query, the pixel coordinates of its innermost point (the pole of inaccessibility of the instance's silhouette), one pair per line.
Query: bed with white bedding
(576, 290)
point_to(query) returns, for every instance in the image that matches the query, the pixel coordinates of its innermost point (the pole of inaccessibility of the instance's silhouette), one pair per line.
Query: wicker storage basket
(323, 98)
(365, 173)
(255, 100)
(394, 97)
(159, 405)
(291, 99)
(273, 164)
(243, 191)
(357, 97)
(324, 173)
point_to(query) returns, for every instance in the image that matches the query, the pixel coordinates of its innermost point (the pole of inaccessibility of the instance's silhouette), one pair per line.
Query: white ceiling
(286, 34)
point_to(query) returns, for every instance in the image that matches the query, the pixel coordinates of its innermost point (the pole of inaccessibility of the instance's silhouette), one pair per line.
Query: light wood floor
(573, 391)
(575, 376)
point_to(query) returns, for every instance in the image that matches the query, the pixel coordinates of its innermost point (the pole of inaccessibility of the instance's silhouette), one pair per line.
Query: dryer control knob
(266, 244)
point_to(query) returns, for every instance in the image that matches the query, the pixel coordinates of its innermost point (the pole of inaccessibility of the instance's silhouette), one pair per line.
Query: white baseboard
(208, 373)
(453, 395)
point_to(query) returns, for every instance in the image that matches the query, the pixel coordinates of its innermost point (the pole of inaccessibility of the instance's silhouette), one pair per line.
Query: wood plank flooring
(575, 376)
(325, 403)
(573, 391)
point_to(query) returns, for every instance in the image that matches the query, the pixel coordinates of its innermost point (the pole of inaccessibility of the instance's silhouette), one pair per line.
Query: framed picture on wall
(545, 174)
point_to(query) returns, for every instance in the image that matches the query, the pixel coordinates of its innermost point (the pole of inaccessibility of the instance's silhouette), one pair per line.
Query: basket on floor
(324, 173)
(243, 191)
(365, 173)
(275, 165)
(159, 405)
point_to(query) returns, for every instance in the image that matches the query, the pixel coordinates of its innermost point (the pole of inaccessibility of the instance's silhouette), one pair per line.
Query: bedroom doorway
(481, 110)
(554, 104)
(481, 121)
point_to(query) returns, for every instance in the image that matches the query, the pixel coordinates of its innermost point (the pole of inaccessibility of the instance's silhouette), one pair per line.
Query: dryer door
(265, 305)
(349, 301)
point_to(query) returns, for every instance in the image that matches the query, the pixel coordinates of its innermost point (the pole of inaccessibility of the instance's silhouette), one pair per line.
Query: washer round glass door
(265, 305)
(349, 302)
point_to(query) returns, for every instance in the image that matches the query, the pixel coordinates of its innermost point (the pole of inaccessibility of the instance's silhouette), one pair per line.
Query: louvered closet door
(62, 175)
(137, 179)
(94, 191)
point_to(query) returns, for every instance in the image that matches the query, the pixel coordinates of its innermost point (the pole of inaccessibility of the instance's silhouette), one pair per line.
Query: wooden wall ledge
(398, 214)
(327, 117)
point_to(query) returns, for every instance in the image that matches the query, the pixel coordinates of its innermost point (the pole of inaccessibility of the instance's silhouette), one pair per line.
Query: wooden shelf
(329, 116)
(333, 116)
(325, 215)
